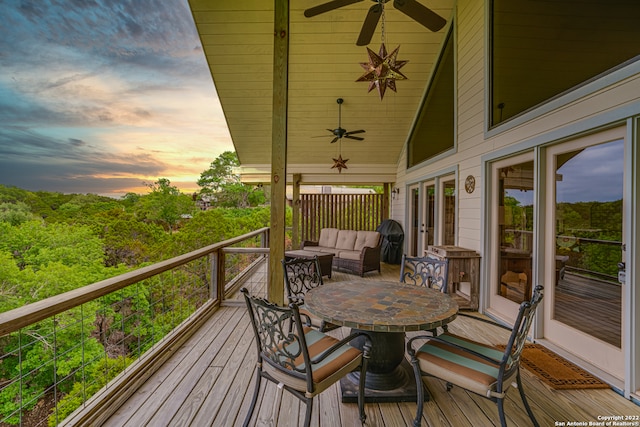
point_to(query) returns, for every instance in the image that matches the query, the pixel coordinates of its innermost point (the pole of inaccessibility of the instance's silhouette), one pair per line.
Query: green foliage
(127, 240)
(165, 204)
(97, 376)
(223, 188)
(52, 243)
(15, 213)
(591, 224)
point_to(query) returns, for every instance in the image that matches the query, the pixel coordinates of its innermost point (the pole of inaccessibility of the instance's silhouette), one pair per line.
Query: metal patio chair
(480, 368)
(300, 276)
(424, 271)
(302, 360)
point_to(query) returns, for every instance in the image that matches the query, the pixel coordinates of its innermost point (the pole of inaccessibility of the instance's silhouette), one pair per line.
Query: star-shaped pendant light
(383, 69)
(340, 163)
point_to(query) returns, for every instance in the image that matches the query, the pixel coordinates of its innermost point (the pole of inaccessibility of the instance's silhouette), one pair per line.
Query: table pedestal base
(405, 390)
(390, 376)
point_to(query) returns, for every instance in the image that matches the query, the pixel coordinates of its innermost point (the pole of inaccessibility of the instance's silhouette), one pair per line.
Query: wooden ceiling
(237, 37)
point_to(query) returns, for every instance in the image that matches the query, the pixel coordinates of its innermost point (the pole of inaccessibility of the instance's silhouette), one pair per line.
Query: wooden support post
(279, 150)
(386, 203)
(295, 205)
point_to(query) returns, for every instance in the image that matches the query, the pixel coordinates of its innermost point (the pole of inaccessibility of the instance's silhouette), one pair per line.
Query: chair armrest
(482, 319)
(307, 243)
(370, 254)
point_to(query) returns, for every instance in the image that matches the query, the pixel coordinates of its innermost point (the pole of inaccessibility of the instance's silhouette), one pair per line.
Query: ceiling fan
(340, 132)
(411, 8)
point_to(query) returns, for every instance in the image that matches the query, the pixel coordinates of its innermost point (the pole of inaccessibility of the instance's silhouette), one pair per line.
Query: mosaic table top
(375, 305)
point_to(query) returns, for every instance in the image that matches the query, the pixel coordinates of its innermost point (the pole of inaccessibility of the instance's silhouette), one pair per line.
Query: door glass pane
(449, 237)
(430, 211)
(415, 218)
(588, 215)
(515, 228)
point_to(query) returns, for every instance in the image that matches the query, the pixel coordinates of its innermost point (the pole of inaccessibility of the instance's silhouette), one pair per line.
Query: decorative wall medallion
(470, 184)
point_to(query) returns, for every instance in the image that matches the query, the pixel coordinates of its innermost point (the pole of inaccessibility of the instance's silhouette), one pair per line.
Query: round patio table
(385, 311)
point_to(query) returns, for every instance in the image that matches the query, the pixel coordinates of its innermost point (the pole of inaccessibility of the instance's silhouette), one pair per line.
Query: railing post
(217, 275)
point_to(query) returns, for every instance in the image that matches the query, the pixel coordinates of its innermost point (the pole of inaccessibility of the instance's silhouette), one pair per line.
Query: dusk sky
(103, 96)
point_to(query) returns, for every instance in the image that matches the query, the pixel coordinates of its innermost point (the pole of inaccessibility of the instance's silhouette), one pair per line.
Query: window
(434, 130)
(540, 49)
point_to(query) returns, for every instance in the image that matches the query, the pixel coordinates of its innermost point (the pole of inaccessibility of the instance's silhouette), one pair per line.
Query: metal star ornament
(340, 163)
(382, 70)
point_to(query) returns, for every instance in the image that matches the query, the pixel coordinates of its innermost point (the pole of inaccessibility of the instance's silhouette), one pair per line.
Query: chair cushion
(328, 237)
(346, 239)
(318, 343)
(366, 238)
(459, 368)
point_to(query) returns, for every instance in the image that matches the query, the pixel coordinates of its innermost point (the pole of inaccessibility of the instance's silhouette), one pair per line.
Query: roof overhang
(324, 64)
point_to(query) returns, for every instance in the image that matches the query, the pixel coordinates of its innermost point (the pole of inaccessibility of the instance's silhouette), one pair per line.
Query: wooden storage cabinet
(464, 267)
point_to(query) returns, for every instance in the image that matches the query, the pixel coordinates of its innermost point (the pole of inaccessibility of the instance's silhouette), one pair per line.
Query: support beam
(279, 150)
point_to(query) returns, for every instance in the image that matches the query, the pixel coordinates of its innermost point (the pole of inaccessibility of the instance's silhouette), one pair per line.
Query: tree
(165, 204)
(223, 186)
(15, 213)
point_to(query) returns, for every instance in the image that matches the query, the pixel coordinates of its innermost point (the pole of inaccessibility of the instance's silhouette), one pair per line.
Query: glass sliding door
(512, 219)
(583, 307)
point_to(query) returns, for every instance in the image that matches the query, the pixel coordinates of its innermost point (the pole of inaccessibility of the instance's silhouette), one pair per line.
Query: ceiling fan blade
(358, 138)
(355, 131)
(369, 25)
(326, 7)
(420, 14)
(335, 139)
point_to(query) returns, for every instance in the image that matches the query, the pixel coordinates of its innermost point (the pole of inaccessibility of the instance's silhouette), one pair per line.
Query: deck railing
(89, 347)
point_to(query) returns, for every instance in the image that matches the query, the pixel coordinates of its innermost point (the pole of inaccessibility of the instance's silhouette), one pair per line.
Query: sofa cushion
(353, 255)
(328, 237)
(346, 239)
(324, 250)
(366, 238)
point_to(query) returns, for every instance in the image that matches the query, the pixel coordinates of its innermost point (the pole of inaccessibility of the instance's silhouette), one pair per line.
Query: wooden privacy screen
(343, 211)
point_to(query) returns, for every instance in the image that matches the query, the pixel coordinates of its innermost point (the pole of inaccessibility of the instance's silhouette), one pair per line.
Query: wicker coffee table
(325, 259)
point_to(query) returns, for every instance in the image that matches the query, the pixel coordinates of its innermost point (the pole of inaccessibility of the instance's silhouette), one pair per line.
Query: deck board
(210, 381)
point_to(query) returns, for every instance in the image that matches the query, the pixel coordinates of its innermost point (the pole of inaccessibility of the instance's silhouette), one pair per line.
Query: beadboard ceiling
(237, 37)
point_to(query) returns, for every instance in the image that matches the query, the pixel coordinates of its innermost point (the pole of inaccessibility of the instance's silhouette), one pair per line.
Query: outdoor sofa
(355, 251)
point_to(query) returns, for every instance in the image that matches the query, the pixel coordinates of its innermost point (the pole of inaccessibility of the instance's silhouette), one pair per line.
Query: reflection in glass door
(585, 185)
(428, 220)
(515, 230)
(512, 229)
(449, 212)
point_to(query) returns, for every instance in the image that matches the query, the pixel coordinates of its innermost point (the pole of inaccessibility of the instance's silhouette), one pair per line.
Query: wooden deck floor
(209, 381)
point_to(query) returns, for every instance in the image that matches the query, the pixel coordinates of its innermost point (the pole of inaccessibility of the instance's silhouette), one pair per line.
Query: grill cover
(392, 241)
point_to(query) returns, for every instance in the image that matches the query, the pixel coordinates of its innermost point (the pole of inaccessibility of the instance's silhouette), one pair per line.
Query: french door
(432, 214)
(511, 243)
(585, 227)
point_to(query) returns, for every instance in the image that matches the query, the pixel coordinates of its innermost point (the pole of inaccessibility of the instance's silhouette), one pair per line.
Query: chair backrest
(520, 331)
(279, 344)
(301, 275)
(425, 271)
